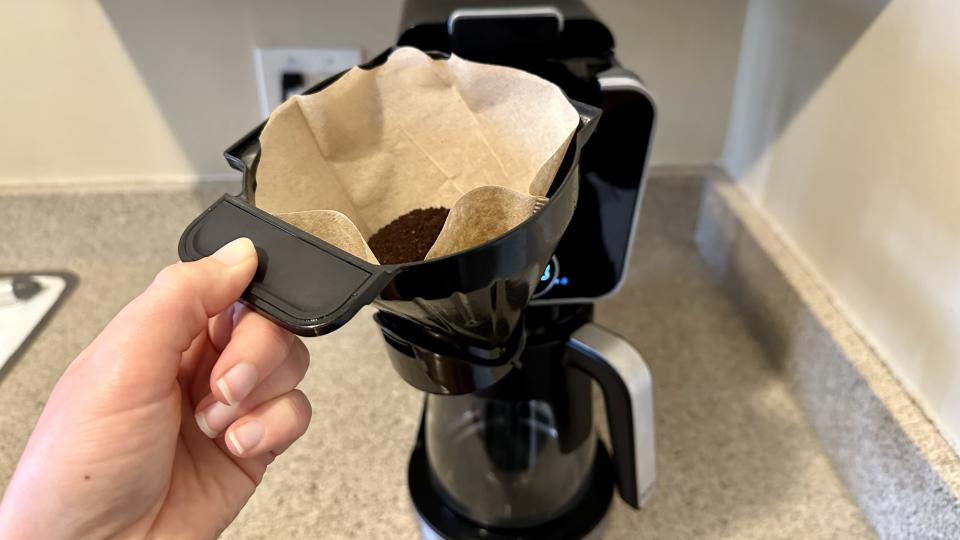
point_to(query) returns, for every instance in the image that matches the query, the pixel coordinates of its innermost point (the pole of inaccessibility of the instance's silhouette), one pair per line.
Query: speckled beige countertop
(736, 456)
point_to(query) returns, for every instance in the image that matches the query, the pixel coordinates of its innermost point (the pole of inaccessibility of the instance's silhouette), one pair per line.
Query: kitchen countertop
(736, 455)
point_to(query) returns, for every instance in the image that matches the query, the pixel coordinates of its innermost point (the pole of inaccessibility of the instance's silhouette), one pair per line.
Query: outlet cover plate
(315, 65)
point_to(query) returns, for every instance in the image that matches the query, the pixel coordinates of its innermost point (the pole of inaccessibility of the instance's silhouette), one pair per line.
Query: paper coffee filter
(484, 141)
(334, 228)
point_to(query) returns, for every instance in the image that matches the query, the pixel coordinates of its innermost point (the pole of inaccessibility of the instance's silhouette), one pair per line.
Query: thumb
(176, 307)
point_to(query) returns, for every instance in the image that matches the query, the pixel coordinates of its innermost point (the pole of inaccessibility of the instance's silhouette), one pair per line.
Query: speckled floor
(736, 456)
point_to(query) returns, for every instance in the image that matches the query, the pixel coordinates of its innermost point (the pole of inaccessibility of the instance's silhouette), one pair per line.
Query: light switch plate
(312, 65)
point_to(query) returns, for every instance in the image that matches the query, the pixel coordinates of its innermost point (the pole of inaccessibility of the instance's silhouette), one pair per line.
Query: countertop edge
(898, 467)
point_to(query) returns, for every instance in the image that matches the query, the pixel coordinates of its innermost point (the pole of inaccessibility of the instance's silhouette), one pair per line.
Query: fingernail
(237, 383)
(216, 418)
(235, 252)
(245, 437)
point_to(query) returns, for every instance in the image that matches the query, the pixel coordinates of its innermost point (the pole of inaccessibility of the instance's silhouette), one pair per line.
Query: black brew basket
(474, 298)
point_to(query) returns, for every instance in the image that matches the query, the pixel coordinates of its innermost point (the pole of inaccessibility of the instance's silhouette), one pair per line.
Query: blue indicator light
(547, 273)
(563, 280)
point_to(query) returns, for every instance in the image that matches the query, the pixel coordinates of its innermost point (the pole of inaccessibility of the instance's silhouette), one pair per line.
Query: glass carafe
(501, 462)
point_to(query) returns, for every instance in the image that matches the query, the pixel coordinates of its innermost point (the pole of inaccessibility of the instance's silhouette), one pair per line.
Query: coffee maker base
(426, 533)
(583, 521)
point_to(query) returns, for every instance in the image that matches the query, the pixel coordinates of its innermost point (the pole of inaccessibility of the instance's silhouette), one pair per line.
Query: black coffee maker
(499, 336)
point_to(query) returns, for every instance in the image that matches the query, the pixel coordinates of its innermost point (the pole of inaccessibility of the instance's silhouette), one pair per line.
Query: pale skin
(165, 424)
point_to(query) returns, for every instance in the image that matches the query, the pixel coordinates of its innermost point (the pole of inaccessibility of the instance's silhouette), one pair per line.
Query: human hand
(119, 450)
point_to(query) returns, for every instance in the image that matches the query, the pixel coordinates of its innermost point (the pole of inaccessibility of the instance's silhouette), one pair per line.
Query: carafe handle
(302, 283)
(628, 394)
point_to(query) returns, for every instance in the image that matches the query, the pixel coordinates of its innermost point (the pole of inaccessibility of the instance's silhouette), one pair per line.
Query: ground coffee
(409, 237)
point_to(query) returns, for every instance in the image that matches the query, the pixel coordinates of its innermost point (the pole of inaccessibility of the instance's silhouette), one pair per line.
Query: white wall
(846, 133)
(686, 51)
(133, 89)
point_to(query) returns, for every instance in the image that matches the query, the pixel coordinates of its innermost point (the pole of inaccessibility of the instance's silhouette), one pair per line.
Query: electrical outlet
(284, 72)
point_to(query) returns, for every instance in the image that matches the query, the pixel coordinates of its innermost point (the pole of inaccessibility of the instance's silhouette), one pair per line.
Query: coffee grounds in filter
(405, 128)
(409, 237)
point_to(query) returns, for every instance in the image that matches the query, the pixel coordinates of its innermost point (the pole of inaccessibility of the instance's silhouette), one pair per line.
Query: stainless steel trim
(494, 12)
(621, 82)
(628, 363)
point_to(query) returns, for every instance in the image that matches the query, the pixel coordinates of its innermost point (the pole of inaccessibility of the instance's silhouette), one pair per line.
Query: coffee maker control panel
(592, 258)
